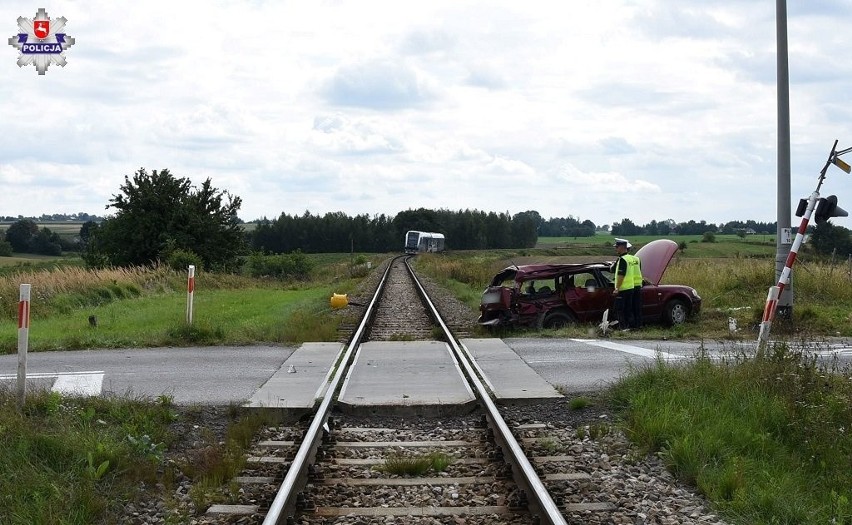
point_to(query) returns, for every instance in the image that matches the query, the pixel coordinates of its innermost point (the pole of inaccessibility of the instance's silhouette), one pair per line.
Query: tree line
(160, 217)
(55, 217)
(572, 227)
(338, 232)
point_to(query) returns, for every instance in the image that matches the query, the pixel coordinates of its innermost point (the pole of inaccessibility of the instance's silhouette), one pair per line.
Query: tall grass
(765, 438)
(738, 287)
(62, 289)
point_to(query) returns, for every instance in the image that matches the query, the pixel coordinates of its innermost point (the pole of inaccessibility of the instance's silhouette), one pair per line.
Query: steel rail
(284, 504)
(541, 503)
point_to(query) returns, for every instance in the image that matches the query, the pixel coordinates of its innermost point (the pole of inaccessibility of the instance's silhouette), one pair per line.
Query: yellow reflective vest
(627, 282)
(634, 270)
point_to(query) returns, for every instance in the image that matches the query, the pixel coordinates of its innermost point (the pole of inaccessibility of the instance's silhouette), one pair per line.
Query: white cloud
(601, 110)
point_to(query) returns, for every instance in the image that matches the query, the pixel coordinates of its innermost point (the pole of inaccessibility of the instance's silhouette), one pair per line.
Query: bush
(293, 266)
(180, 260)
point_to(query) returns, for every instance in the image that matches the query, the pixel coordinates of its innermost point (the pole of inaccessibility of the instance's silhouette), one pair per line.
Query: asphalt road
(230, 375)
(208, 375)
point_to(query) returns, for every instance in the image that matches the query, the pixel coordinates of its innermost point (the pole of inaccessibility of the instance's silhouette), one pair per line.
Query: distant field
(27, 258)
(67, 230)
(725, 245)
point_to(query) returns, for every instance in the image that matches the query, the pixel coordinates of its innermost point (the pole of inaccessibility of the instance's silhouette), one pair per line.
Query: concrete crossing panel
(508, 377)
(406, 377)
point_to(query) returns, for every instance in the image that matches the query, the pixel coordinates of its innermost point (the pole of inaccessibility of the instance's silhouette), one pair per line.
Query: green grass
(28, 261)
(76, 461)
(765, 439)
(66, 461)
(143, 307)
(416, 465)
(579, 403)
(219, 317)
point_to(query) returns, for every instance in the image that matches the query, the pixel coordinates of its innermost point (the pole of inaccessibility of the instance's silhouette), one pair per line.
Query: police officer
(624, 287)
(635, 268)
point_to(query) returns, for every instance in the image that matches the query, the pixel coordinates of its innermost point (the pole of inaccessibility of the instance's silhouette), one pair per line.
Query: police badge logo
(41, 42)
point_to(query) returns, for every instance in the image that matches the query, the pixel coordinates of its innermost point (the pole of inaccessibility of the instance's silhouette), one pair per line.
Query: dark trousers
(624, 308)
(636, 307)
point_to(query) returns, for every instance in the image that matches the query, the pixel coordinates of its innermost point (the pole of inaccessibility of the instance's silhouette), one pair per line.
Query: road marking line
(630, 349)
(839, 352)
(70, 383)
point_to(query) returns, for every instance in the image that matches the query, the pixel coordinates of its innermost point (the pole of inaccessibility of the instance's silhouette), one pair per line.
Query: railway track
(400, 312)
(470, 469)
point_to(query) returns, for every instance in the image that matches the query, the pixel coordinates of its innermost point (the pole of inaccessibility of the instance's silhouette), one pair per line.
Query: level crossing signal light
(826, 208)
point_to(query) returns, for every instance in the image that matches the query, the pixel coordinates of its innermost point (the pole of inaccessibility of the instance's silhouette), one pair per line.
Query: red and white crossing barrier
(784, 279)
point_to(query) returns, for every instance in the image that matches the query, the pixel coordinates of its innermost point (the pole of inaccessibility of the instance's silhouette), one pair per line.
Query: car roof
(528, 272)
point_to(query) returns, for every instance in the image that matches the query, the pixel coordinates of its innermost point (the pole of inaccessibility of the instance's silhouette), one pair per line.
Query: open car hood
(655, 257)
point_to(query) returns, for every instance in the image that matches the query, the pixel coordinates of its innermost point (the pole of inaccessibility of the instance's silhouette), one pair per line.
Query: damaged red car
(558, 295)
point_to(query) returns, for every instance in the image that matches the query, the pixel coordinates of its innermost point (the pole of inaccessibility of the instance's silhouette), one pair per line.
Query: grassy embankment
(766, 438)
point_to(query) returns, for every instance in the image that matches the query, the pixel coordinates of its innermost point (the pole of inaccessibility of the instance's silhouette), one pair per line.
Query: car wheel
(676, 312)
(557, 320)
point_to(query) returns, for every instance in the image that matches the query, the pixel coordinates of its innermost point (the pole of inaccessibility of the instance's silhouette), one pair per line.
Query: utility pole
(783, 234)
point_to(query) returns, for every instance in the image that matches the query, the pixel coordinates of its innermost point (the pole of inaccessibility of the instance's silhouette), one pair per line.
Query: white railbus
(420, 242)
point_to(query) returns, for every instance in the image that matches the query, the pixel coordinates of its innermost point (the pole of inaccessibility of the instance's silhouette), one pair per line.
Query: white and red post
(190, 293)
(23, 342)
(784, 279)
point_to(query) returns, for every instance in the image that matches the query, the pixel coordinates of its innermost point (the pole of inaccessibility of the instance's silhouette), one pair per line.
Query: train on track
(420, 242)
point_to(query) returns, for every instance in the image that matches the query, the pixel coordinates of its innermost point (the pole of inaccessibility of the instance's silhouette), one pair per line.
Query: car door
(588, 298)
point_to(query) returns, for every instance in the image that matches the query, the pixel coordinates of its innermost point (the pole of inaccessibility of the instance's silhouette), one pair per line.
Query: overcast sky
(598, 109)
